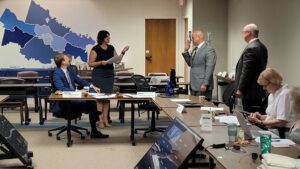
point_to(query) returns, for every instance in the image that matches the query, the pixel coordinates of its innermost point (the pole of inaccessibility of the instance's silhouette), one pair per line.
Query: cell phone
(190, 36)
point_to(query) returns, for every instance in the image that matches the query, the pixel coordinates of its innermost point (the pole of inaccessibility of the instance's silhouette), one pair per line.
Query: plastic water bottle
(169, 90)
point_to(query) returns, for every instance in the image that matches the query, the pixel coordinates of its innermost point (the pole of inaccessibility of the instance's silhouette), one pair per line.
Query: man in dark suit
(64, 79)
(202, 61)
(251, 63)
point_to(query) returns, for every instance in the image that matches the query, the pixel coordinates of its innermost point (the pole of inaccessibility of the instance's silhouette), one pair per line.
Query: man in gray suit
(202, 61)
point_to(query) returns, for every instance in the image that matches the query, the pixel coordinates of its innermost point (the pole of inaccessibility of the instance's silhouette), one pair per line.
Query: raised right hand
(187, 45)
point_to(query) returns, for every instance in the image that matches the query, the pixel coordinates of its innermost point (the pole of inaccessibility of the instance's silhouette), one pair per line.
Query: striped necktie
(194, 53)
(69, 80)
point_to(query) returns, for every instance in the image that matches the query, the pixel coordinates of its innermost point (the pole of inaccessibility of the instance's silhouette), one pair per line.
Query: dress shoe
(98, 134)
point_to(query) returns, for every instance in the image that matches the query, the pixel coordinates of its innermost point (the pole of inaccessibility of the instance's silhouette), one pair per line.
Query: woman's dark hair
(101, 36)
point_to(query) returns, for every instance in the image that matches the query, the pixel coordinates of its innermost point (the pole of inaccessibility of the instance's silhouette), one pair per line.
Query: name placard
(180, 108)
(206, 122)
(71, 94)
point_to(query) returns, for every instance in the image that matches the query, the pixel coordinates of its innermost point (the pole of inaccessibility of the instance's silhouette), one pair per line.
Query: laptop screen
(172, 148)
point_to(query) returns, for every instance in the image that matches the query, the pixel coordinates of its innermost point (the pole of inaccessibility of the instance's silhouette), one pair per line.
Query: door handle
(149, 58)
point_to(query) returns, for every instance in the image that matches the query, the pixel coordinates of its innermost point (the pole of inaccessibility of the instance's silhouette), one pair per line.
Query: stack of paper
(212, 109)
(278, 142)
(102, 95)
(228, 119)
(180, 100)
(271, 161)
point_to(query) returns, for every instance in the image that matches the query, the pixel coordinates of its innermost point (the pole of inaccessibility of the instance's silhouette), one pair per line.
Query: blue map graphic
(41, 36)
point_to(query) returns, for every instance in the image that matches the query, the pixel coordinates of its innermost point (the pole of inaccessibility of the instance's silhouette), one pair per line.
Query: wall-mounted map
(41, 36)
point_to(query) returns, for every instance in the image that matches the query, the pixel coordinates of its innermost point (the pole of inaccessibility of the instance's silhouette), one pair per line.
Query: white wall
(124, 19)
(210, 16)
(279, 25)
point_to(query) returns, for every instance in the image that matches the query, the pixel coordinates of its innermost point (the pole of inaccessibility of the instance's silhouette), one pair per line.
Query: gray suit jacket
(202, 67)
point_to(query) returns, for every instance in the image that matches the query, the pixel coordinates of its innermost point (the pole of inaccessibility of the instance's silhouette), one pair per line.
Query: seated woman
(295, 99)
(278, 110)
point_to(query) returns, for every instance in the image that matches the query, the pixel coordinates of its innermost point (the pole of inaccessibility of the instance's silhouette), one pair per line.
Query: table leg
(40, 106)
(27, 119)
(132, 125)
(69, 141)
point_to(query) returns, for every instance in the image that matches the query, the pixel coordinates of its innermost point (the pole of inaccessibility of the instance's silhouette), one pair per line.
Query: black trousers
(251, 105)
(91, 109)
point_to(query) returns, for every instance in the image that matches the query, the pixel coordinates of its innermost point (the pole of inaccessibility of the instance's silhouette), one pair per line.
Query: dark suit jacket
(61, 83)
(252, 62)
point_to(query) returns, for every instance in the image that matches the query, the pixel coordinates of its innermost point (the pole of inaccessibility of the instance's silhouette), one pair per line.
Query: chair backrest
(27, 74)
(157, 74)
(140, 83)
(229, 96)
(53, 88)
(12, 81)
(32, 74)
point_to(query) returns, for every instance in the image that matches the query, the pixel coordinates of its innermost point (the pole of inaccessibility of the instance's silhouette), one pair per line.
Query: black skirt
(104, 79)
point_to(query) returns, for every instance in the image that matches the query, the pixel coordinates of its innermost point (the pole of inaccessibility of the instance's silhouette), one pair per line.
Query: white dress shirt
(279, 106)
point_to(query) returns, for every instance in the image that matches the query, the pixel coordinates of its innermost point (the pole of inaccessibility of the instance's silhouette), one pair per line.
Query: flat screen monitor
(172, 149)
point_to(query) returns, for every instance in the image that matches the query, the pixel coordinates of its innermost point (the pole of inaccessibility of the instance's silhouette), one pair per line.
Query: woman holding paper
(295, 99)
(101, 58)
(278, 110)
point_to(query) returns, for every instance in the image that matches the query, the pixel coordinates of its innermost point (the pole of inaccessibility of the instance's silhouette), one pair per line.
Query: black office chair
(229, 96)
(67, 115)
(127, 89)
(17, 97)
(33, 79)
(141, 84)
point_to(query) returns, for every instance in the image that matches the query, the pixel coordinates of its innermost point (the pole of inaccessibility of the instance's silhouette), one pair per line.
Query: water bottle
(169, 90)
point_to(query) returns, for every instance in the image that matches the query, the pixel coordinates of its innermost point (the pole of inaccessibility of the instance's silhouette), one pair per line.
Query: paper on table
(278, 141)
(180, 100)
(228, 119)
(212, 108)
(130, 95)
(114, 59)
(102, 95)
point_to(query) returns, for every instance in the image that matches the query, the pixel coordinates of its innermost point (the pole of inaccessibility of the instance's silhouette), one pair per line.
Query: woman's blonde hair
(295, 99)
(269, 75)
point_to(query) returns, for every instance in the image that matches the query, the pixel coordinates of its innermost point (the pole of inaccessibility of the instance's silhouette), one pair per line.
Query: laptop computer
(251, 134)
(172, 149)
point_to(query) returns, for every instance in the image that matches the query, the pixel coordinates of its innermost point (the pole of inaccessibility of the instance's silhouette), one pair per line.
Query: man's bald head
(197, 37)
(252, 28)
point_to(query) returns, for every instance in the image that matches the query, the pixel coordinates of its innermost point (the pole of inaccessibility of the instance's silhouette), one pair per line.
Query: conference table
(158, 85)
(235, 159)
(231, 159)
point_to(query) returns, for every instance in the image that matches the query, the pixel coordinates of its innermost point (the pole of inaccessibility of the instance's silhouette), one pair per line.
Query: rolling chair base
(73, 128)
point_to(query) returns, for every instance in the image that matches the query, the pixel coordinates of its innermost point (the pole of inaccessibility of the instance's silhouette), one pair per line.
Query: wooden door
(160, 45)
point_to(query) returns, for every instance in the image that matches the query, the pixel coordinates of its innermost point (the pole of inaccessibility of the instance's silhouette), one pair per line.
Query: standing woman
(103, 72)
